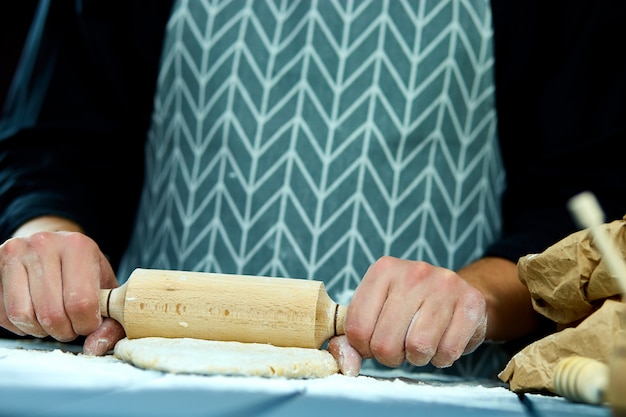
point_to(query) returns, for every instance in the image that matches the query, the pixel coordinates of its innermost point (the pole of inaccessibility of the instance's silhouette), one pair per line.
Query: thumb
(104, 338)
(347, 357)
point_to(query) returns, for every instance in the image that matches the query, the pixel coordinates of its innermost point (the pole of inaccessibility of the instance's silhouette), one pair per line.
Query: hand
(49, 286)
(413, 311)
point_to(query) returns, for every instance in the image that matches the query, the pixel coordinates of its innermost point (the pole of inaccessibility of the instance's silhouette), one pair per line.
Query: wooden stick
(587, 212)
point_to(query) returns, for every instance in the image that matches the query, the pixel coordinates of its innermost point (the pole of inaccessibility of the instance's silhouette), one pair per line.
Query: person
(77, 209)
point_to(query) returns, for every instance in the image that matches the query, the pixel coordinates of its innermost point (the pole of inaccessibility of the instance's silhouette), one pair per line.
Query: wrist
(509, 307)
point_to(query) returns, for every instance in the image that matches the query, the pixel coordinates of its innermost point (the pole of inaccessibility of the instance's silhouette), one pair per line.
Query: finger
(347, 357)
(364, 309)
(426, 330)
(465, 332)
(388, 340)
(18, 304)
(104, 338)
(478, 337)
(45, 283)
(81, 282)
(4, 320)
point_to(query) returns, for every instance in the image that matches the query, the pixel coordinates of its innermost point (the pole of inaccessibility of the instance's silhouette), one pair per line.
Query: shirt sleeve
(74, 122)
(561, 103)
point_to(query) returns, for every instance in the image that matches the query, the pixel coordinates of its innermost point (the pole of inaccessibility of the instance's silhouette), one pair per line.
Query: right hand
(49, 286)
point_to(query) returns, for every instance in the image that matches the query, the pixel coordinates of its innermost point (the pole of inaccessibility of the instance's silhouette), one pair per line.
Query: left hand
(413, 311)
(50, 274)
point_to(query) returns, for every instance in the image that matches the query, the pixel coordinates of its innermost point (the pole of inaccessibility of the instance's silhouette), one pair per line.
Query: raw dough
(207, 357)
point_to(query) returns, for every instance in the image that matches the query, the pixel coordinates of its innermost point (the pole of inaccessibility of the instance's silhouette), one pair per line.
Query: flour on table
(24, 366)
(207, 357)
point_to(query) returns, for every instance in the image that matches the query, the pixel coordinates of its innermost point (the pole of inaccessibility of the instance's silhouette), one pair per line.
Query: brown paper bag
(531, 369)
(570, 284)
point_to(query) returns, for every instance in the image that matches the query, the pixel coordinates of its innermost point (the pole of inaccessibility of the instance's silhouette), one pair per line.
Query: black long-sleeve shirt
(561, 103)
(72, 136)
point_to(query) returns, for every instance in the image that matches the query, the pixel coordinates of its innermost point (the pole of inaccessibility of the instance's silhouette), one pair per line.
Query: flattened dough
(207, 357)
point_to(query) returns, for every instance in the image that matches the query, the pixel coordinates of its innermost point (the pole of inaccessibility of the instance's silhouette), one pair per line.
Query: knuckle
(419, 352)
(18, 316)
(50, 319)
(39, 240)
(77, 239)
(447, 279)
(417, 345)
(419, 273)
(79, 306)
(355, 332)
(386, 354)
(12, 247)
(357, 326)
(358, 336)
(11, 254)
(24, 321)
(446, 355)
(54, 322)
(381, 265)
(388, 359)
(420, 269)
(381, 349)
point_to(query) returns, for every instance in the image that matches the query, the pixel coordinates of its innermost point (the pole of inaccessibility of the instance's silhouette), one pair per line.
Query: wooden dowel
(589, 214)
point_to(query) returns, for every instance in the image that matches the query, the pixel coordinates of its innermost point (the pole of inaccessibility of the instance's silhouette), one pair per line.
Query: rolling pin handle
(104, 299)
(340, 317)
(108, 302)
(112, 302)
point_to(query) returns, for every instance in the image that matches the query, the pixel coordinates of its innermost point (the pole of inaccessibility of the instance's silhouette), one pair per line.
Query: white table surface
(45, 379)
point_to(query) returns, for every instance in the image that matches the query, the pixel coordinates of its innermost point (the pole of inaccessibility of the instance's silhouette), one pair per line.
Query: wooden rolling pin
(279, 311)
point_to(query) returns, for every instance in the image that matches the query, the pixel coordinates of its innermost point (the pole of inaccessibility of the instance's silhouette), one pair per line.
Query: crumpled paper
(571, 284)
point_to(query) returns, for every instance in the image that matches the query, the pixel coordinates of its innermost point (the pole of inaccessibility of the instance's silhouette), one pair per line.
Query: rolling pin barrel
(227, 307)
